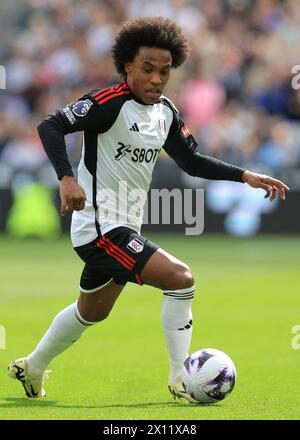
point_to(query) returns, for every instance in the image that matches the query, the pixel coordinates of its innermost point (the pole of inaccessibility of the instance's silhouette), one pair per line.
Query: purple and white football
(209, 375)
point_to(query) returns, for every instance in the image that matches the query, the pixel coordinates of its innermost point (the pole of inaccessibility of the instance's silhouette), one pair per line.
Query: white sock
(65, 329)
(177, 326)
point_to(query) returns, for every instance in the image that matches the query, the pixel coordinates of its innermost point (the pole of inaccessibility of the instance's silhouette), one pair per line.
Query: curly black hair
(149, 32)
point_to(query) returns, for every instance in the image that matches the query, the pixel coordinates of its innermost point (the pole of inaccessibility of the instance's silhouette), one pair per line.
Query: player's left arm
(269, 184)
(182, 147)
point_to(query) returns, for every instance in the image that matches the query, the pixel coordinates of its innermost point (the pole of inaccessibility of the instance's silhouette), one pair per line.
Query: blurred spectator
(234, 92)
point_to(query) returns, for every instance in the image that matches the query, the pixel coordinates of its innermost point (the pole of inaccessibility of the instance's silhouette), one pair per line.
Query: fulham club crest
(136, 246)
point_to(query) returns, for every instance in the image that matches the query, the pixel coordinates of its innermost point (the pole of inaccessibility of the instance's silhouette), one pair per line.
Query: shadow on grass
(21, 402)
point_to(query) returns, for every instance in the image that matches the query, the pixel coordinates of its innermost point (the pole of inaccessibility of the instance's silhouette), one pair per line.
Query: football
(209, 375)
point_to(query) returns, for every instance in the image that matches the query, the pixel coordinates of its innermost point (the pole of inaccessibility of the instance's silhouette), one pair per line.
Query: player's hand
(72, 196)
(269, 184)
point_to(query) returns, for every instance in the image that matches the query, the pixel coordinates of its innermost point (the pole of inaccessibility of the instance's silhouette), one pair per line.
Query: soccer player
(124, 128)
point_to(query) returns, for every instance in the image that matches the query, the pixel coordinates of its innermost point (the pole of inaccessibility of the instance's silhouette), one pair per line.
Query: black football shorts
(118, 255)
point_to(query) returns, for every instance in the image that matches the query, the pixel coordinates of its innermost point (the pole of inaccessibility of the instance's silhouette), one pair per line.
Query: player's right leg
(66, 328)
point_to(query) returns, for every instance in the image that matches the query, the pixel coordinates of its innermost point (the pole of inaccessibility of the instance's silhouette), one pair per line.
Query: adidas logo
(134, 127)
(189, 325)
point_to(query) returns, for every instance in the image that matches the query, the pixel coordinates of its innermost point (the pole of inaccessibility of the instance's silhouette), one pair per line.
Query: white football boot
(33, 386)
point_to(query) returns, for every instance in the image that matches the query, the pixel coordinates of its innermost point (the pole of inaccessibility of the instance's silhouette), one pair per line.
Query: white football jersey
(117, 162)
(122, 139)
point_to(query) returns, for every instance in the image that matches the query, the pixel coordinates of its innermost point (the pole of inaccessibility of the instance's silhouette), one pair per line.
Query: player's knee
(181, 277)
(103, 315)
(186, 278)
(94, 314)
(97, 316)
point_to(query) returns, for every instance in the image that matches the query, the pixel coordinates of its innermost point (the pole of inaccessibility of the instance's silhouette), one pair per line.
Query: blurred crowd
(235, 91)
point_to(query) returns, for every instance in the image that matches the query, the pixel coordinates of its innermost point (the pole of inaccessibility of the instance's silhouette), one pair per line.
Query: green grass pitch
(247, 302)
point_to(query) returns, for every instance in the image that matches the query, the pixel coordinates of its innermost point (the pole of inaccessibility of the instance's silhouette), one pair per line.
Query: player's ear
(128, 69)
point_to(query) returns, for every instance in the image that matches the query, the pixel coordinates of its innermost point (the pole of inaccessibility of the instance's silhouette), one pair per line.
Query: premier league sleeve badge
(80, 108)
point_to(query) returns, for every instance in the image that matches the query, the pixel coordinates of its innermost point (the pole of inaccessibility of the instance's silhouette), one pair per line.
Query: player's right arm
(81, 115)
(72, 195)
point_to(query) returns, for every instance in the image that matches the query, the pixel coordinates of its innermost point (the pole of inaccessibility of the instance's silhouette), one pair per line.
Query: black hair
(149, 32)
